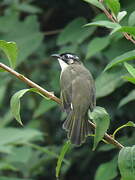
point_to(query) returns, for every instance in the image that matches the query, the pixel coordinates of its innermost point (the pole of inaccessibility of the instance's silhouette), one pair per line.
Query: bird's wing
(83, 89)
(92, 94)
(66, 89)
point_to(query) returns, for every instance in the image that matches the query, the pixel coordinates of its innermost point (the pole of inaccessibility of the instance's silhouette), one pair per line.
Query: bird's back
(78, 86)
(78, 95)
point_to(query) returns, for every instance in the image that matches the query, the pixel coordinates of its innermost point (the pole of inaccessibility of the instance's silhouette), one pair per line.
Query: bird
(77, 96)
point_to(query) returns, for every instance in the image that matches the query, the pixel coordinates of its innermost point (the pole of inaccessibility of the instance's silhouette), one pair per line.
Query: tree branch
(107, 137)
(53, 32)
(31, 83)
(125, 34)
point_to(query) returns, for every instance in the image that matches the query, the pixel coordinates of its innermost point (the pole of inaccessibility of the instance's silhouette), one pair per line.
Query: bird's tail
(78, 127)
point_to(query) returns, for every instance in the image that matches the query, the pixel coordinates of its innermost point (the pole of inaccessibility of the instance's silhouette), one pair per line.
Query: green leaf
(113, 5)
(130, 55)
(7, 166)
(69, 48)
(6, 119)
(130, 97)
(130, 79)
(100, 17)
(2, 92)
(21, 155)
(50, 151)
(6, 149)
(102, 119)
(128, 124)
(127, 29)
(43, 107)
(74, 32)
(37, 92)
(96, 3)
(14, 135)
(106, 147)
(106, 24)
(126, 163)
(108, 171)
(15, 102)
(130, 69)
(118, 46)
(96, 45)
(109, 81)
(11, 51)
(26, 35)
(64, 150)
(131, 20)
(13, 178)
(28, 8)
(121, 15)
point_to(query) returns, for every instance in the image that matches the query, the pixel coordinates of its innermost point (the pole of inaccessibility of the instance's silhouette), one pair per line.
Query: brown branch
(31, 83)
(129, 37)
(109, 15)
(126, 35)
(53, 32)
(108, 138)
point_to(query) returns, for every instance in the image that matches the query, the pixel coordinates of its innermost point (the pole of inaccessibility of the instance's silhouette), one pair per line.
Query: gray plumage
(78, 96)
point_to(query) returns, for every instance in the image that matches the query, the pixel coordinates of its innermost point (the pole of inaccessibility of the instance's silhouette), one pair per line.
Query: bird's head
(68, 58)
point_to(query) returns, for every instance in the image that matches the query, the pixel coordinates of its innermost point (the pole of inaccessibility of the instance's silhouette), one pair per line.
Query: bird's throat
(63, 65)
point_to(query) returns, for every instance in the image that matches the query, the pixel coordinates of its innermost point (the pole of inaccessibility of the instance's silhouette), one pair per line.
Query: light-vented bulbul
(77, 96)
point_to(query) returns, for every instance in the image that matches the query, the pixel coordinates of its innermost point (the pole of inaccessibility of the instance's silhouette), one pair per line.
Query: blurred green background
(41, 28)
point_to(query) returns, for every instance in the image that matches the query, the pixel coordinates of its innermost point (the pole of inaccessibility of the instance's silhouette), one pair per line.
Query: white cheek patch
(63, 65)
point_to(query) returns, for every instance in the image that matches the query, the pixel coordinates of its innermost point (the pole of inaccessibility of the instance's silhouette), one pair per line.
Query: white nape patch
(71, 61)
(63, 65)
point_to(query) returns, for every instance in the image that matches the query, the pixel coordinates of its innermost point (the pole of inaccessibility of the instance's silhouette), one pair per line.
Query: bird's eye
(67, 56)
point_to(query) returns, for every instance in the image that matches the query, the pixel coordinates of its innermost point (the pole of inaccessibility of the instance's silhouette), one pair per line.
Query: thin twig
(31, 83)
(108, 138)
(53, 32)
(129, 37)
(109, 15)
(126, 35)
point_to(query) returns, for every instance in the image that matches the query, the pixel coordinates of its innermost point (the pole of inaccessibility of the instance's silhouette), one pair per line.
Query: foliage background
(41, 28)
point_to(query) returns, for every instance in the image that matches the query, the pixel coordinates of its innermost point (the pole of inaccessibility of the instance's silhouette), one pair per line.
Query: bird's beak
(55, 55)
